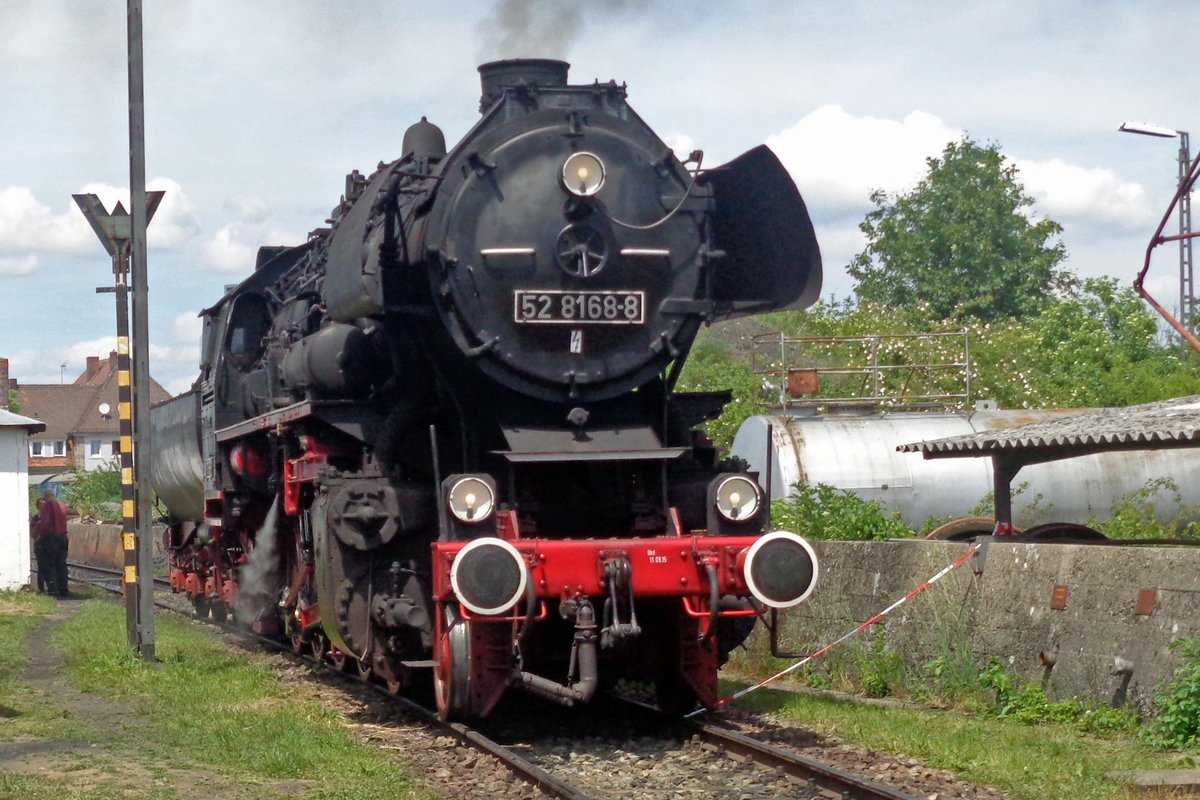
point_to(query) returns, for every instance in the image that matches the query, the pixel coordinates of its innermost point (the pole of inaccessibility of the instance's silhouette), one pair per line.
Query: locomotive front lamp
(737, 498)
(489, 576)
(471, 499)
(780, 569)
(583, 174)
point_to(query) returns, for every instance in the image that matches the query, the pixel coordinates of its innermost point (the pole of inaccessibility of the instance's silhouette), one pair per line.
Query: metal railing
(885, 371)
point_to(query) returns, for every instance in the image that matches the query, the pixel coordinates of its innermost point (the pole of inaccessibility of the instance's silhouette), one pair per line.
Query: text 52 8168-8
(561, 307)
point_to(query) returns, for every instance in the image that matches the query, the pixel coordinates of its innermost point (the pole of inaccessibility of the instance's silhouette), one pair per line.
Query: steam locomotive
(443, 433)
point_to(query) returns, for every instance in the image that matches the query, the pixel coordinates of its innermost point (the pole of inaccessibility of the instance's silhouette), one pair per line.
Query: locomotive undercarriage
(337, 560)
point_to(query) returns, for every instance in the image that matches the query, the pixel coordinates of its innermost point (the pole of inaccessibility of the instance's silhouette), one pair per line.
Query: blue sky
(255, 111)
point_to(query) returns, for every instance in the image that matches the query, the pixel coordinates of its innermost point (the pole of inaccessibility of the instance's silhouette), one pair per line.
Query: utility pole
(123, 235)
(141, 334)
(1187, 294)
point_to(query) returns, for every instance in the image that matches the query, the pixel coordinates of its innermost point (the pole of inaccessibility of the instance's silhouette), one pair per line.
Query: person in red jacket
(52, 528)
(45, 564)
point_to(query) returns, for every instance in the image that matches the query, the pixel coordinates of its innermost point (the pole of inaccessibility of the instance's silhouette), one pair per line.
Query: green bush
(1135, 516)
(1098, 346)
(713, 366)
(824, 512)
(1177, 725)
(96, 493)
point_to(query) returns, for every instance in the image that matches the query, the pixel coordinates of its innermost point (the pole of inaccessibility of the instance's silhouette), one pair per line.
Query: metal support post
(1187, 294)
(1003, 471)
(141, 338)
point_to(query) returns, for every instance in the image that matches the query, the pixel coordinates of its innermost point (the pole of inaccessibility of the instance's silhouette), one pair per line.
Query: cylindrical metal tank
(176, 462)
(858, 453)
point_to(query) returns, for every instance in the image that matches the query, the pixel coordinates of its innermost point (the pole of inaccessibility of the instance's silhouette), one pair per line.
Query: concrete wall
(1007, 611)
(15, 568)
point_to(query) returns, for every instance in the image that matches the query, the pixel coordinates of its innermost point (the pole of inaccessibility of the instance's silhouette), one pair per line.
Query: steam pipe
(585, 650)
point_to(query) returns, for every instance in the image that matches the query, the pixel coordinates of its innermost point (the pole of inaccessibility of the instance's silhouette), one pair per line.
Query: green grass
(1026, 761)
(207, 718)
(24, 713)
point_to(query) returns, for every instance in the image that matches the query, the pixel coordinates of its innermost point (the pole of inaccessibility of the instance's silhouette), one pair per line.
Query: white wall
(14, 508)
(104, 459)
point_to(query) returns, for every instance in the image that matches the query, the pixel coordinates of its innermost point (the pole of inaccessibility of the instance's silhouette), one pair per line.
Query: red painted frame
(669, 566)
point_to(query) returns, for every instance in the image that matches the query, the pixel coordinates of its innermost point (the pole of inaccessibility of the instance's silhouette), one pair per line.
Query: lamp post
(1187, 295)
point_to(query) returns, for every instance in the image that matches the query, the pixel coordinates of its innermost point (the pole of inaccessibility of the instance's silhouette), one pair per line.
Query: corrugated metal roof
(10, 420)
(1167, 423)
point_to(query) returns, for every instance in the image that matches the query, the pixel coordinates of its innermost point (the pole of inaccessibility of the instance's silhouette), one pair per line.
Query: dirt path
(43, 675)
(94, 754)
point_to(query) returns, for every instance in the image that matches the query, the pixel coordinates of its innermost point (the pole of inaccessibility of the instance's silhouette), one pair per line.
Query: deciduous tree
(963, 241)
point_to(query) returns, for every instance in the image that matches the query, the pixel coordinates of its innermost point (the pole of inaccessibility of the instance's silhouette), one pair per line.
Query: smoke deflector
(772, 261)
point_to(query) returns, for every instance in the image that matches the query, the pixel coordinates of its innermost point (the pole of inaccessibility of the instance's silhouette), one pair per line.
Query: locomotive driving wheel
(320, 647)
(452, 675)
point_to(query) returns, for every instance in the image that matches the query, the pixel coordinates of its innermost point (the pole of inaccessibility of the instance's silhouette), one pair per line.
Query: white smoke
(257, 578)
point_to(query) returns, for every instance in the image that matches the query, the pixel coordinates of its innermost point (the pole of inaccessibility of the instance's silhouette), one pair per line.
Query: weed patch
(825, 512)
(1178, 723)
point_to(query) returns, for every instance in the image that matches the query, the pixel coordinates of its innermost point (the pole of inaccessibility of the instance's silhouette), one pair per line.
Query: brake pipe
(851, 634)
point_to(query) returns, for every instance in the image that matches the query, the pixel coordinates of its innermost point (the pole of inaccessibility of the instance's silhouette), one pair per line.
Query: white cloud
(248, 208)
(29, 227)
(1065, 190)
(187, 327)
(838, 159)
(27, 224)
(234, 247)
(21, 265)
(681, 144)
(78, 352)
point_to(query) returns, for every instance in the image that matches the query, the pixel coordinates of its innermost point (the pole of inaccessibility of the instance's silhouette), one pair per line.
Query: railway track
(663, 761)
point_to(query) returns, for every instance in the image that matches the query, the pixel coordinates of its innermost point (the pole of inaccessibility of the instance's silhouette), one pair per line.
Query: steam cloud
(257, 578)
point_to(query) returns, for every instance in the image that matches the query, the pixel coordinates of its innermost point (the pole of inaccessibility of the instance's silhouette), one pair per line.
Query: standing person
(53, 521)
(44, 567)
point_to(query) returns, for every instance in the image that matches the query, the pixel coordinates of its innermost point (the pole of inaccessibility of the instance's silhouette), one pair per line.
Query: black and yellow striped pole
(129, 526)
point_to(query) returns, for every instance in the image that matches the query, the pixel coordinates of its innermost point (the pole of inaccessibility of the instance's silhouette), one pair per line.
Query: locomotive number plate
(560, 307)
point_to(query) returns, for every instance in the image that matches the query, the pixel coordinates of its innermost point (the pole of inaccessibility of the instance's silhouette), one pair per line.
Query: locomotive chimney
(495, 76)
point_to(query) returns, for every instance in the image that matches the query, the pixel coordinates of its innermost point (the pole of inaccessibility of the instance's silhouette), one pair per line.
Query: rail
(883, 371)
(830, 778)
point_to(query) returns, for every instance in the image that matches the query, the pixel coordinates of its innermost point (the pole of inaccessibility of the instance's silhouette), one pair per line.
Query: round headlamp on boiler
(583, 174)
